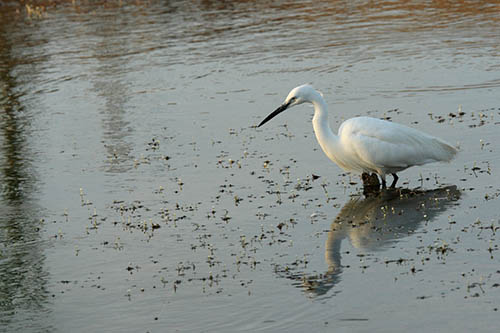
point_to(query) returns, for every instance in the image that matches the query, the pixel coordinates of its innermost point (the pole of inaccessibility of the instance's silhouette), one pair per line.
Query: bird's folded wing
(390, 146)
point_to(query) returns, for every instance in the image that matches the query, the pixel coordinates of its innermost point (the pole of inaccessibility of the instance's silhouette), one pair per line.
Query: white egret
(368, 145)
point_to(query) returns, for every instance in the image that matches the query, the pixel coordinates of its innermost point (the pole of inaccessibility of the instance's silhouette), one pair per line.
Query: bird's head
(301, 94)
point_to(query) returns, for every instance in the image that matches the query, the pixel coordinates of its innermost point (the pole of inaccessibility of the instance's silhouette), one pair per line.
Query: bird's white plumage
(385, 147)
(366, 144)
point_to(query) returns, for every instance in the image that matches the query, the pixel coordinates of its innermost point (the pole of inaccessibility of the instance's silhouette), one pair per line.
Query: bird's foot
(393, 185)
(371, 184)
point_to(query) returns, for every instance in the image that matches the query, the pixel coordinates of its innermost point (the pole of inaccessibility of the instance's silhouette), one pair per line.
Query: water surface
(137, 195)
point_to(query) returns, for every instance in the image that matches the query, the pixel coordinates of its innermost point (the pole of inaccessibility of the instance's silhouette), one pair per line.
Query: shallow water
(137, 195)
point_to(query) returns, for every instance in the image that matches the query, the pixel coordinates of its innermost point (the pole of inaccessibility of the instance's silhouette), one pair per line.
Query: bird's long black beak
(276, 112)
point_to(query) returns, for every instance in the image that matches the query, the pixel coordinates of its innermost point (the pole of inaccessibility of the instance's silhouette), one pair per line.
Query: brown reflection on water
(23, 279)
(346, 32)
(436, 12)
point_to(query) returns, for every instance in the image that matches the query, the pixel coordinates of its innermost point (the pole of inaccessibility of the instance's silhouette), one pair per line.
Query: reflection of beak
(276, 112)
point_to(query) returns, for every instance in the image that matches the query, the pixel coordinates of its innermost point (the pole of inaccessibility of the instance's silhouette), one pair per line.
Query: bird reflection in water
(375, 222)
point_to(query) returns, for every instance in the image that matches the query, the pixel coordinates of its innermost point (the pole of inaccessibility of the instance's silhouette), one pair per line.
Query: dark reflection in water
(375, 223)
(23, 279)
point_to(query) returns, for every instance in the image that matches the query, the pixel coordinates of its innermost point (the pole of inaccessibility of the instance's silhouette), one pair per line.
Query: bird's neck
(328, 141)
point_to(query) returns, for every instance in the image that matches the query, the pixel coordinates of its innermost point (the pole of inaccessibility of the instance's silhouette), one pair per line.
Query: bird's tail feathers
(447, 151)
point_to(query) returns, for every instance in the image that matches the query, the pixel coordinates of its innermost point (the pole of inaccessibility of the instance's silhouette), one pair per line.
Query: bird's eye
(293, 99)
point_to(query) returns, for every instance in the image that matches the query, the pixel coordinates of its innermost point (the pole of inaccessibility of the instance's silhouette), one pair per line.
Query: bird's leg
(370, 180)
(393, 185)
(364, 177)
(384, 184)
(371, 184)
